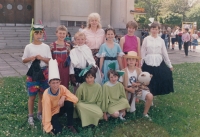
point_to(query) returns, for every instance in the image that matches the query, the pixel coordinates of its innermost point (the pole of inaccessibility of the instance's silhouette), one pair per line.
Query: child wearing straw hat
(130, 77)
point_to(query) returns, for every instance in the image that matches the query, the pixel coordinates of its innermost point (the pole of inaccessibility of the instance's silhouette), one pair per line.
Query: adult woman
(194, 40)
(94, 34)
(155, 60)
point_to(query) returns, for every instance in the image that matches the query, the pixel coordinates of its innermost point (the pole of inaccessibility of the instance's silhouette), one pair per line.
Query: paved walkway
(11, 62)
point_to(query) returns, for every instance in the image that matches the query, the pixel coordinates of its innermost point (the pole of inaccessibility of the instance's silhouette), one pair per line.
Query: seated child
(129, 78)
(81, 56)
(89, 95)
(114, 98)
(56, 101)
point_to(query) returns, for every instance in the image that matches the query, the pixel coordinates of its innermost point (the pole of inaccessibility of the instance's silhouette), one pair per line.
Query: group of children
(99, 91)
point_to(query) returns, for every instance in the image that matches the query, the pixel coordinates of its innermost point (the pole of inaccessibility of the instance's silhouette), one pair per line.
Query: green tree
(173, 19)
(194, 15)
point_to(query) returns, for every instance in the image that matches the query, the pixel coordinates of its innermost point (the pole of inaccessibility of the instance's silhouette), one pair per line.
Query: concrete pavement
(11, 62)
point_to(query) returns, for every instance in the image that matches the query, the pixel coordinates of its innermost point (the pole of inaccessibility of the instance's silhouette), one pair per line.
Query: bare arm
(29, 59)
(139, 51)
(119, 59)
(122, 40)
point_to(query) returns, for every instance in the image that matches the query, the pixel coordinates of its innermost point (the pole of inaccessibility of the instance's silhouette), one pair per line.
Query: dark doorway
(16, 11)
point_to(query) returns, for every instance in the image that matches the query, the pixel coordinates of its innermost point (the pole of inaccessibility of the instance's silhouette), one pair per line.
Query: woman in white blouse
(155, 60)
(194, 40)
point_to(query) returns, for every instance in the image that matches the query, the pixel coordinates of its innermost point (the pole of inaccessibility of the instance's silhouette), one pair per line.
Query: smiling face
(110, 35)
(154, 31)
(54, 85)
(61, 35)
(94, 22)
(131, 30)
(80, 40)
(113, 78)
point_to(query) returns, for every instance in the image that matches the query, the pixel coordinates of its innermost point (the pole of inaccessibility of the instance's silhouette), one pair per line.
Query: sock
(120, 116)
(30, 115)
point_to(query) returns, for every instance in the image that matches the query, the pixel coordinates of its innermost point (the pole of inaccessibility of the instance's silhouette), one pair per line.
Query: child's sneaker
(39, 117)
(147, 117)
(121, 117)
(31, 121)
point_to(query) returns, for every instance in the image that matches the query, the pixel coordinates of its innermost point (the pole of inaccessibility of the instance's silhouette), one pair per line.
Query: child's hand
(39, 57)
(130, 89)
(102, 75)
(61, 101)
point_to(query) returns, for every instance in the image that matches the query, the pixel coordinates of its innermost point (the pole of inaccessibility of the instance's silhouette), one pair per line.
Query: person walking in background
(155, 60)
(186, 39)
(165, 37)
(81, 28)
(194, 38)
(180, 42)
(95, 35)
(173, 38)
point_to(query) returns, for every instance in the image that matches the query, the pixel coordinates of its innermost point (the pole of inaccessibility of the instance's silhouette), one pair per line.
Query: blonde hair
(61, 28)
(79, 34)
(94, 16)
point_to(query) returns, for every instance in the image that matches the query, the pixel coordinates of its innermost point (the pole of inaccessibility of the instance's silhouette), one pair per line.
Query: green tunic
(114, 98)
(88, 107)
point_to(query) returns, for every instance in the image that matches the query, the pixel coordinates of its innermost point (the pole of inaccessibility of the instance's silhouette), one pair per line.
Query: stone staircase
(18, 37)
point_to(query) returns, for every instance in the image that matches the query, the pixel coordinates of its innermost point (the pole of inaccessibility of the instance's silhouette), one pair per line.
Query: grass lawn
(174, 115)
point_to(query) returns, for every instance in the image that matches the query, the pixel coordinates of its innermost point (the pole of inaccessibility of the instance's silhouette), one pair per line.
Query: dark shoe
(72, 129)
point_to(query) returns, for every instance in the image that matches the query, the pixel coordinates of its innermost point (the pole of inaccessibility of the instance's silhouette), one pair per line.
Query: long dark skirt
(162, 81)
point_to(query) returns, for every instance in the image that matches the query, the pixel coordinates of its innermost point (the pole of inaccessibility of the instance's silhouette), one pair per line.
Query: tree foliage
(173, 19)
(194, 15)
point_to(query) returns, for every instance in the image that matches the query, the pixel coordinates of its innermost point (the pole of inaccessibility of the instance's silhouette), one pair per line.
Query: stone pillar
(105, 10)
(51, 13)
(130, 6)
(118, 13)
(37, 11)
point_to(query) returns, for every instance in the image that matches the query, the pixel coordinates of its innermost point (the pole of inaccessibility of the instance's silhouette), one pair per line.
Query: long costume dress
(110, 56)
(155, 60)
(114, 98)
(88, 107)
(50, 105)
(61, 54)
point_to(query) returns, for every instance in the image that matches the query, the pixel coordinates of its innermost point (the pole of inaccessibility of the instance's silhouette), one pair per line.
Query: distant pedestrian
(173, 38)
(186, 39)
(180, 42)
(194, 38)
(165, 37)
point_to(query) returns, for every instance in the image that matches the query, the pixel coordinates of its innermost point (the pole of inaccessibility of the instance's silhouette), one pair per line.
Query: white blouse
(153, 52)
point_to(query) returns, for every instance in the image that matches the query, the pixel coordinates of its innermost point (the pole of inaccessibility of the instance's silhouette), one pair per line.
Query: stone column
(105, 10)
(37, 11)
(118, 13)
(130, 6)
(51, 12)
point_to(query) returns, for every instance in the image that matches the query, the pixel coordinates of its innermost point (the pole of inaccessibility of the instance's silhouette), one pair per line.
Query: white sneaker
(147, 117)
(31, 121)
(121, 117)
(39, 117)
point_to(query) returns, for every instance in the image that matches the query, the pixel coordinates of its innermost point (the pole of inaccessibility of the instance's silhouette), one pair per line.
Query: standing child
(57, 100)
(130, 42)
(60, 51)
(130, 77)
(109, 52)
(114, 98)
(33, 52)
(194, 40)
(155, 60)
(81, 56)
(90, 98)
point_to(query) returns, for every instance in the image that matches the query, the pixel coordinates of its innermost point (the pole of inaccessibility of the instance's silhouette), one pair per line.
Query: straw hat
(131, 54)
